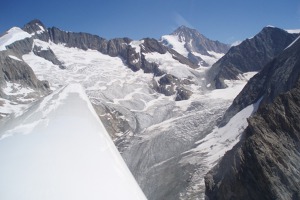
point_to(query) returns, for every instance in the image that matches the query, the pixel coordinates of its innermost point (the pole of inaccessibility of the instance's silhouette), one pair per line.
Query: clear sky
(223, 20)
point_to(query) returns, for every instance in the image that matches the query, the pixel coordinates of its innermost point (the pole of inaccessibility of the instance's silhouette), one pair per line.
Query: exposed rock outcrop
(17, 71)
(48, 54)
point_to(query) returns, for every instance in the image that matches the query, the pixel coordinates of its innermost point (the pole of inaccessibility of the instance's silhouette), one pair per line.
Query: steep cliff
(266, 164)
(278, 76)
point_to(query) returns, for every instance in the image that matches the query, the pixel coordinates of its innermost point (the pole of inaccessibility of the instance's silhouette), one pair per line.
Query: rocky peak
(278, 38)
(251, 55)
(196, 47)
(186, 34)
(278, 76)
(198, 42)
(35, 27)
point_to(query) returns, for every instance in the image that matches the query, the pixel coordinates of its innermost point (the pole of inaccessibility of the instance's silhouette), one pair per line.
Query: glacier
(162, 132)
(159, 137)
(59, 149)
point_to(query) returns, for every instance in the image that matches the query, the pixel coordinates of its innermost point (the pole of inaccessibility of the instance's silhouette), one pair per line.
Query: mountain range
(173, 106)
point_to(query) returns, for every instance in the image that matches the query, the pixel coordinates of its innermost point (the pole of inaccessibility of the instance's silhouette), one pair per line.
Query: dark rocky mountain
(264, 165)
(194, 44)
(251, 55)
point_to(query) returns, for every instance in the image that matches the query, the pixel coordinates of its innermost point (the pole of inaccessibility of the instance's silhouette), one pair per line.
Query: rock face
(15, 71)
(264, 165)
(251, 55)
(37, 29)
(48, 55)
(278, 76)
(195, 46)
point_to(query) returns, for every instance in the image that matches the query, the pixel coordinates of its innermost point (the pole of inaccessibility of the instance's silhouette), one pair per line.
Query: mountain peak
(270, 28)
(183, 27)
(195, 46)
(184, 30)
(34, 26)
(251, 55)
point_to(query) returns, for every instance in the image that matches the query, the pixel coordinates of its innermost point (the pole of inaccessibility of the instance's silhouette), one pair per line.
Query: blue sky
(223, 20)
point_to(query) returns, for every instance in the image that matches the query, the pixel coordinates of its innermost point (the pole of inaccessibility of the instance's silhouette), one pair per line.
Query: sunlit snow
(12, 35)
(210, 59)
(293, 31)
(174, 43)
(292, 43)
(15, 58)
(169, 65)
(136, 44)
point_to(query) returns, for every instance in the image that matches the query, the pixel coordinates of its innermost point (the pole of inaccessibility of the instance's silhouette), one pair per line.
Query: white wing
(59, 149)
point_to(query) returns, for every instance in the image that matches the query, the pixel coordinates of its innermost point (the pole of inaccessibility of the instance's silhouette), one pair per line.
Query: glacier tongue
(59, 149)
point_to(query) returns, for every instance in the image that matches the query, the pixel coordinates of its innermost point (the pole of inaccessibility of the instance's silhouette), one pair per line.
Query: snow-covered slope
(58, 149)
(12, 35)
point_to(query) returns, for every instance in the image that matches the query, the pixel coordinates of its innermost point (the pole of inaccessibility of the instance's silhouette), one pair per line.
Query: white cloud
(180, 20)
